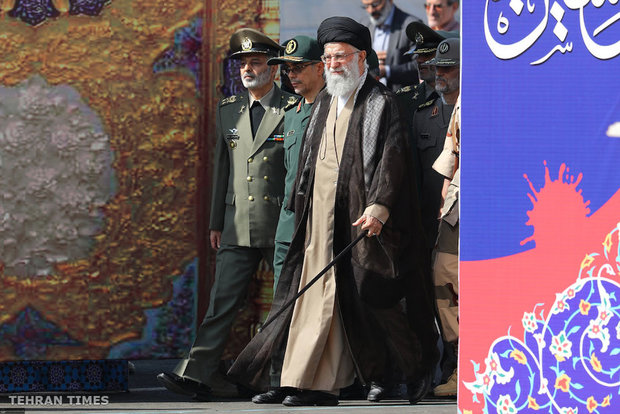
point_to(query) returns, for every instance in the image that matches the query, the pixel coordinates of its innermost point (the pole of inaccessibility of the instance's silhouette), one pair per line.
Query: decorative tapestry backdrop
(105, 122)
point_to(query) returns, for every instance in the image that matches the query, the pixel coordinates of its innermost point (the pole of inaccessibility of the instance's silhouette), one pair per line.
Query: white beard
(345, 83)
(258, 81)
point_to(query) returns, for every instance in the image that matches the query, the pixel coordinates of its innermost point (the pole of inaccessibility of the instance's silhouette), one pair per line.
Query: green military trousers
(234, 267)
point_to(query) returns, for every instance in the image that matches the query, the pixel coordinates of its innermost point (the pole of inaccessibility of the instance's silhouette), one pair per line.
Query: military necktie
(256, 114)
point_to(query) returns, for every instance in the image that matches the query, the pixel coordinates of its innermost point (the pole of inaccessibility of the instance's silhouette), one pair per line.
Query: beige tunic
(317, 355)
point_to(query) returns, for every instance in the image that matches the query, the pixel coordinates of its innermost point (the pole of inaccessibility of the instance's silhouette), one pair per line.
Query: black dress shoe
(418, 389)
(376, 392)
(274, 396)
(184, 386)
(310, 398)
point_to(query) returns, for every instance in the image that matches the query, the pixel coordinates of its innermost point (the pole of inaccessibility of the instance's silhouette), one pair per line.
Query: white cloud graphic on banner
(614, 130)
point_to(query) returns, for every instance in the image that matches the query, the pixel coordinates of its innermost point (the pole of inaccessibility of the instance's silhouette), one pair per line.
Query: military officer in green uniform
(302, 63)
(247, 192)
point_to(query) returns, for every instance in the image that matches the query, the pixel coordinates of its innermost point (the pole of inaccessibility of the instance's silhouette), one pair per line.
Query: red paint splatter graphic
(563, 233)
(558, 200)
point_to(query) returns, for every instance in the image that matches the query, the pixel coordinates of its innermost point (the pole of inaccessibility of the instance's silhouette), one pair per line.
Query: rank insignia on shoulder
(228, 100)
(276, 138)
(404, 89)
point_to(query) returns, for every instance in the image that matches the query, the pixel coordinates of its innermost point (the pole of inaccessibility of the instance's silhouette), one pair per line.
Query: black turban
(346, 30)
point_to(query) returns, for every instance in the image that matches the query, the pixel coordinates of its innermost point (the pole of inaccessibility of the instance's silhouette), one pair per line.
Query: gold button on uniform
(249, 178)
(266, 177)
(233, 144)
(250, 159)
(251, 198)
(265, 158)
(266, 198)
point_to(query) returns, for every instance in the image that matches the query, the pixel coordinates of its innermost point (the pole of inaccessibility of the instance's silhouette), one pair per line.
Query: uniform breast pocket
(426, 140)
(290, 140)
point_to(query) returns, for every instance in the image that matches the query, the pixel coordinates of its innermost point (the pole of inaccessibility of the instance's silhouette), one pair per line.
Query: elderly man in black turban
(354, 175)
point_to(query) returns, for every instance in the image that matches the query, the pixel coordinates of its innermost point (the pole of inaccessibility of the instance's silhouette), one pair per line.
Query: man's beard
(377, 21)
(346, 82)
(447, 86)
(259, 80)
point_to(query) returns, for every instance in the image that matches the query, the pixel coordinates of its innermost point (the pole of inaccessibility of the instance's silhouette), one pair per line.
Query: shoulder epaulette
(291, 102)
(404, 89)
(427, 103)
(229, 100)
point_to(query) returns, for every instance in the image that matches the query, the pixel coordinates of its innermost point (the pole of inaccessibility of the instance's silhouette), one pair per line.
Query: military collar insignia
(291, 132)
(435, 111)
(427, 103)
(246, 44)
(443, 48)
(233, 131)
(291, 46)
(228, 100)
(419, 39)
(290, 102)
(404, 89)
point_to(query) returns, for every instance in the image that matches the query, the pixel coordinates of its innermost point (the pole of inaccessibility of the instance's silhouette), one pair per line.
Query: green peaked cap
(299, 49)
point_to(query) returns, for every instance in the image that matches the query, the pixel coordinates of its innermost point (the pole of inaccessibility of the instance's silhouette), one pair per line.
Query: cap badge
(419, 39)
(443, 48)
(291, 46)
(246, 44)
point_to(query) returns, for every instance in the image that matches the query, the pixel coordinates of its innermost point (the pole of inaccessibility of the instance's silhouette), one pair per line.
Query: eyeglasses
(438, 7)
(297, 69)
(373, 5)
(337, 58)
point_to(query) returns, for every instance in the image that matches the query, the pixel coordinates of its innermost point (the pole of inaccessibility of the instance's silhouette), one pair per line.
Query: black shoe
(376, 392)
(274, 396)
(184, 386)
(418, 389)
(310, 398)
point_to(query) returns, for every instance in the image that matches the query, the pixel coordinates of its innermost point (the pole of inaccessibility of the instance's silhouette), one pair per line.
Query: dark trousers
(234, 267)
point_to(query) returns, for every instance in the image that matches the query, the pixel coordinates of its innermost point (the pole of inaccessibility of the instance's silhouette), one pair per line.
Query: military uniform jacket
(409, 99)
(295, 122)
(430, 124)
(412, 96)
(248, 178)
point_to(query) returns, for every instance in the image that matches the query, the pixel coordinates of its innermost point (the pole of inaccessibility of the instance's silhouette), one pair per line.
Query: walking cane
(314, 280)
